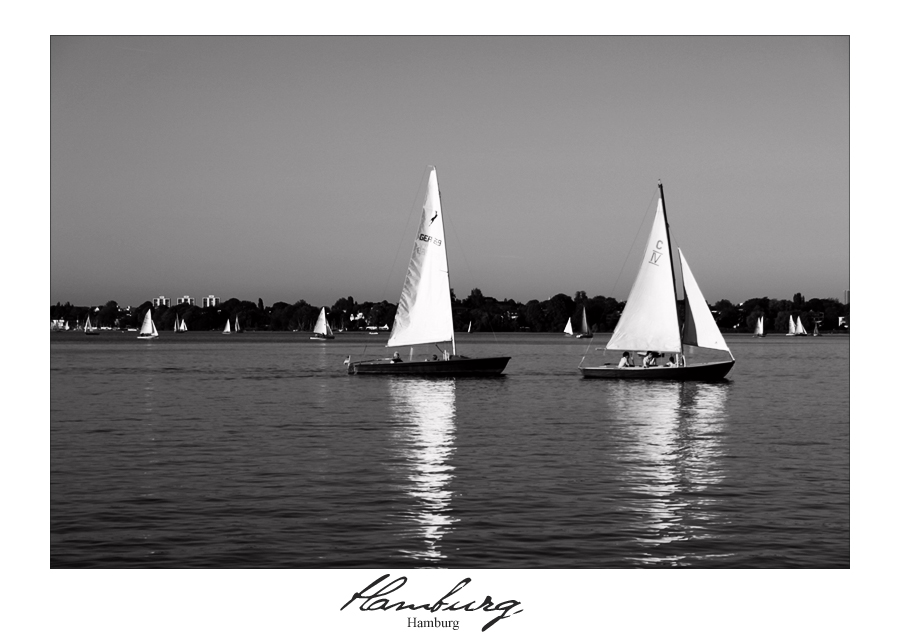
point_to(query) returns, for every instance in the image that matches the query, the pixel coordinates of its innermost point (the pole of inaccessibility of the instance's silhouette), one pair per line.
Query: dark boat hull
(458, 366)
(699, 372)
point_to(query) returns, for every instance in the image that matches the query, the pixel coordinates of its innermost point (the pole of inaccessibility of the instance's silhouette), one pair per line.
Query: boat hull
(489, 366)
(699, 372)
(321, 337)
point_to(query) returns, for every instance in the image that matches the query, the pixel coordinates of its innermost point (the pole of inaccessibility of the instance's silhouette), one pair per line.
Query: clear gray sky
(291, 168)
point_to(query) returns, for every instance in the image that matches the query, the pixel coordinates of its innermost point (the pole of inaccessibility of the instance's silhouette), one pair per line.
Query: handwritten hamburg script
(372, 597)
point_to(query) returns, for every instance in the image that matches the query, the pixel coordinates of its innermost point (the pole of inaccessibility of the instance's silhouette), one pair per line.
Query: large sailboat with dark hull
(649, 324)
(424, 315)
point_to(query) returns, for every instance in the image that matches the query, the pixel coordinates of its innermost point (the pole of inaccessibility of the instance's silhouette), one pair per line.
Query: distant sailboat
(792, 329)
(815, 332)
(322, 330)
(470, 327)
(567, 331)
(650, 320)
(148, 328)
(89, 329)
(183, 326)
(799, 329)
(425, 314)
(585, 332)
(760, 331)
(227, 330)
(237, 327)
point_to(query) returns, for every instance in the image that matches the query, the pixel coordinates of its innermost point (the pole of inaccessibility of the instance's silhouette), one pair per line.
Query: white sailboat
(183, 326)
(792, 329)
(585, 332)
(89, 329)
(237, 327)
(649, 322)
(760, 331)
(227, 330)
(148, 328)
(424, 314)
(799, 329)
(815, 332)
(322, 329)
(470, 327)
(568, 331)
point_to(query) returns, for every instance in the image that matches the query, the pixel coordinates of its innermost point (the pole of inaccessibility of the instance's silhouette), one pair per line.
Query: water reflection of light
(672, 460)
(428, 407)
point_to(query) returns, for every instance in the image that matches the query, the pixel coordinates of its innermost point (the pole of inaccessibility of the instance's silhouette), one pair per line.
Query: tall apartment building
(161, 301)
(210, 300)
(184, 300)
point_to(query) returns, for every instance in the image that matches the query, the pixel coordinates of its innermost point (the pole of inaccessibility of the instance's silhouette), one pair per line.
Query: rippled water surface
(258, 450)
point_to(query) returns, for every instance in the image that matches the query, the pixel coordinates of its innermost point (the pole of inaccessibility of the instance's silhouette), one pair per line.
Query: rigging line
(466, 262)
(403, 236)
(631, 249)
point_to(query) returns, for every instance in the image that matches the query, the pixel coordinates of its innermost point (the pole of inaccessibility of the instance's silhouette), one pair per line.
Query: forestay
(650, 318)
(424, 314)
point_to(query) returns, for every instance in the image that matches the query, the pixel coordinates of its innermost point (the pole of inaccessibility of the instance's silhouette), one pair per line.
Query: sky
(289, 168)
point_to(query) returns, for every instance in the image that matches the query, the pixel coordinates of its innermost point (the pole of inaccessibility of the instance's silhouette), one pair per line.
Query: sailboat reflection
(426, 443)
(673, 462)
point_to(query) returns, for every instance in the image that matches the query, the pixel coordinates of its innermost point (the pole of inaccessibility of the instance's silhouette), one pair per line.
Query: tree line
(483, 313)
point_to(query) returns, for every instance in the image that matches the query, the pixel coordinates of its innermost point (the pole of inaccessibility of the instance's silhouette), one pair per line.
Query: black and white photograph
(382, 333)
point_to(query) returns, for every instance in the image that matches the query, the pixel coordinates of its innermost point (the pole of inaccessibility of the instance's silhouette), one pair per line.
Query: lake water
(258, 450)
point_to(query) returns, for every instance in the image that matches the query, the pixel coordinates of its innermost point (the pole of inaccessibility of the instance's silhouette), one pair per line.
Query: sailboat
(322, 329)
(568, 331)
(792, 329)
(760, 331)
(649, 322)
(89, 329)
(585, 332)
(470, 327)
(815, 332)
(424, 314)
(182, 327)
(799, 329)
(148, 328)
(227, 330)
(237, 327)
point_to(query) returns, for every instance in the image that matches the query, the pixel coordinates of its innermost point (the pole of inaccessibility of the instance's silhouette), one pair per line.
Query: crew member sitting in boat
(396, 358)
(671, 363)
(649, 359)
(625, 361)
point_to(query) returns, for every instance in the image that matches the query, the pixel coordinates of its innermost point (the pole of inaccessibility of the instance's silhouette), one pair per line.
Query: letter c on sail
(659, 244)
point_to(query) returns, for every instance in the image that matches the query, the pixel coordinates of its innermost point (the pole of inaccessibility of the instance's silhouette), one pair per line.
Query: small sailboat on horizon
(89, 329)
(568, 331)
(760, 330)
(322, 330)
(585, 332)
(649, 322)
(148, 328)
(227, 330)
(424, 314)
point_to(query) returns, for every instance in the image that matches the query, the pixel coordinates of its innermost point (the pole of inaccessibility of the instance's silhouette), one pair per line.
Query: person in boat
(625, 361)
(434, 357)
(671, 363)
(396, 358)
(650, 359)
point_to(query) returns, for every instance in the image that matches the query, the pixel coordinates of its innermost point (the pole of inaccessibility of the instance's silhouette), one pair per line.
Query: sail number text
(426, 238)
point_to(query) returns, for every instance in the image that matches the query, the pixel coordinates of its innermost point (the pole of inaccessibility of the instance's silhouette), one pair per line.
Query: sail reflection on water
(673, 462)
(426, 411)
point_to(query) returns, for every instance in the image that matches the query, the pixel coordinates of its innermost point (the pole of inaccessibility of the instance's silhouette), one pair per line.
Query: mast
(452, 330)
(662, 197)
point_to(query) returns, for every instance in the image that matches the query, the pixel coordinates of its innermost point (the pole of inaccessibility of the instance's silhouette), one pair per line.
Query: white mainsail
(237, 327)
(183, 327)
(424, 314)
(584, 323)
(800, 329)
(568, 329)
(792, 330)
(650, 318)
(759, 328)
(87, 324)
(700, 327)
(322, 327)
(148, 328)
(227, 330)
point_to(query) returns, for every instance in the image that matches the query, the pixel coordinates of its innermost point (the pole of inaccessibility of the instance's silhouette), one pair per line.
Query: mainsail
(227, 330)
(800, 329)
(424, 313)
(584, 322)
(700, 327)
(650, 318)
(322, 327)
(148, 328)
(568, 329)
